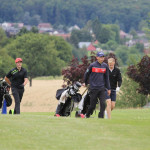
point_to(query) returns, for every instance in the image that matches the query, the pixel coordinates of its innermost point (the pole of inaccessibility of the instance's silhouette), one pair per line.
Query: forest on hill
(128, 14)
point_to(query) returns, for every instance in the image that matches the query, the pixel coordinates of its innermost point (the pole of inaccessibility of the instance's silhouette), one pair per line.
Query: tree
(6, 62)
(140, 47)
(23, 31)
(122, 53)
(140, 73)
(34, 29)
(63, 48)
(128, 14)
(129, 97)
(3, 38)
(104, 35)
(134, 34)
(39, 53)
(97, 28)
(79, 52)
(147, 30)
(75, 71)
(80, 36)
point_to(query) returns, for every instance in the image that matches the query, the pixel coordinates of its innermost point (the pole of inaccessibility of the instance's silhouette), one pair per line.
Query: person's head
(100, 57)
(111, 63)
(18, 62)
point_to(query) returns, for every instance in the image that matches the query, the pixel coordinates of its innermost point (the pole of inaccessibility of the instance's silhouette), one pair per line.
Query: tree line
(127, 14)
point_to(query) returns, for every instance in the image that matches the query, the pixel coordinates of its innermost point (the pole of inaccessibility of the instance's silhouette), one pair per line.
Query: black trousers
(17, 94)
(94, 95)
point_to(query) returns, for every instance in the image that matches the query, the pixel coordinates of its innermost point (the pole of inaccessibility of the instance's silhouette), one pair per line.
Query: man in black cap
(97, 75)
(17, 79)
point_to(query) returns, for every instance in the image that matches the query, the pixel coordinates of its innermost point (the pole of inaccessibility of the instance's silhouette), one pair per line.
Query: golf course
(37, 128)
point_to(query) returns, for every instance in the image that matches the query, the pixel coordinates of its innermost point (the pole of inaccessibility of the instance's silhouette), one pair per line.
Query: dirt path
(41, 96)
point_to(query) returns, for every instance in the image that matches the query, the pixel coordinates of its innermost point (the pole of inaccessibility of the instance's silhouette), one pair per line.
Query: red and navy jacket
(97, 75)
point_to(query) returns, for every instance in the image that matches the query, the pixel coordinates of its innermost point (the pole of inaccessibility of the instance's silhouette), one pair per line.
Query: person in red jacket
(97, 75)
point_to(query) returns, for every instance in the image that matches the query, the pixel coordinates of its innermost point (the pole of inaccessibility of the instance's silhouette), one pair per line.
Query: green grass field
(129, 129)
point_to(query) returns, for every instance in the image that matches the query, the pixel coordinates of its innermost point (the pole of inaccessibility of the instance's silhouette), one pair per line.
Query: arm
(7, 77)
(87, 74)
(119, 79)
(7, 80)
(25, 78)
(25, 81)
(107, 82)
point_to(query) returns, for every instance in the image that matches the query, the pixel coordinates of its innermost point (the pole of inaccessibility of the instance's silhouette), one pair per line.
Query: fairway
(129, 129)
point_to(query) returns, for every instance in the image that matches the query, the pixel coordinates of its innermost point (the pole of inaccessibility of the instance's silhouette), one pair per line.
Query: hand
(117, 89)
(83, 84)
(108, 91)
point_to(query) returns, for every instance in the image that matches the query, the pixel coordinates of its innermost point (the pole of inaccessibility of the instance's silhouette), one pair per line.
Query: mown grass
(129, 129)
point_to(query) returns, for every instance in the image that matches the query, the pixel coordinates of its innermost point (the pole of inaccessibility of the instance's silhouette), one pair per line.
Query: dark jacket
(97, 75)
(115, 78)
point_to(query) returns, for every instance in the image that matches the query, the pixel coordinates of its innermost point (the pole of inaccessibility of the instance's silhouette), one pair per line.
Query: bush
(129, 97)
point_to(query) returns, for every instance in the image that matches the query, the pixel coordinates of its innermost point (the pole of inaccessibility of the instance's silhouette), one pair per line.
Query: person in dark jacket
(17, 79)
(115, 84)
(97, 75)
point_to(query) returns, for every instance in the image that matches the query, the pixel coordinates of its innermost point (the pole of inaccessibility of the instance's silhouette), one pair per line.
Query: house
(91, 47)
(6, 25)
(96, 42)
(75, 27)
(125, 35)
(17, 25)
(44, 27)
(143, 41)
(122, 34)
(83, 44)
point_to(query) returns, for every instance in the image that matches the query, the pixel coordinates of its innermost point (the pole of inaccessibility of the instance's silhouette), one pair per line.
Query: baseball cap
(18, 59)
(100, 54)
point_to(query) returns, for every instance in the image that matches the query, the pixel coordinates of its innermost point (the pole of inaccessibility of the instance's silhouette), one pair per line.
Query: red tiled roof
(91, 47)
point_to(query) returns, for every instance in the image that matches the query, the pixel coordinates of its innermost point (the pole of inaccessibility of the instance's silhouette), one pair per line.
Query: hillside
(127, 13)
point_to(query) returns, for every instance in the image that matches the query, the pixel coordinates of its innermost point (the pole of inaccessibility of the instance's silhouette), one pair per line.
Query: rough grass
(129, 129)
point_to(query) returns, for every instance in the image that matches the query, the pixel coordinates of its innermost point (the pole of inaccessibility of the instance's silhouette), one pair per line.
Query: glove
(117, 89)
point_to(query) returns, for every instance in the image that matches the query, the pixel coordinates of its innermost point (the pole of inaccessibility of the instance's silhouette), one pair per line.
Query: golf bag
(68, 99)
(84, 104)
(4, 93)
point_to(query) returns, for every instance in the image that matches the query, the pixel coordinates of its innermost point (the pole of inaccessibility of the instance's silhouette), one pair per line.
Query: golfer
(17, 79)
(115, 84)
(98, 76)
